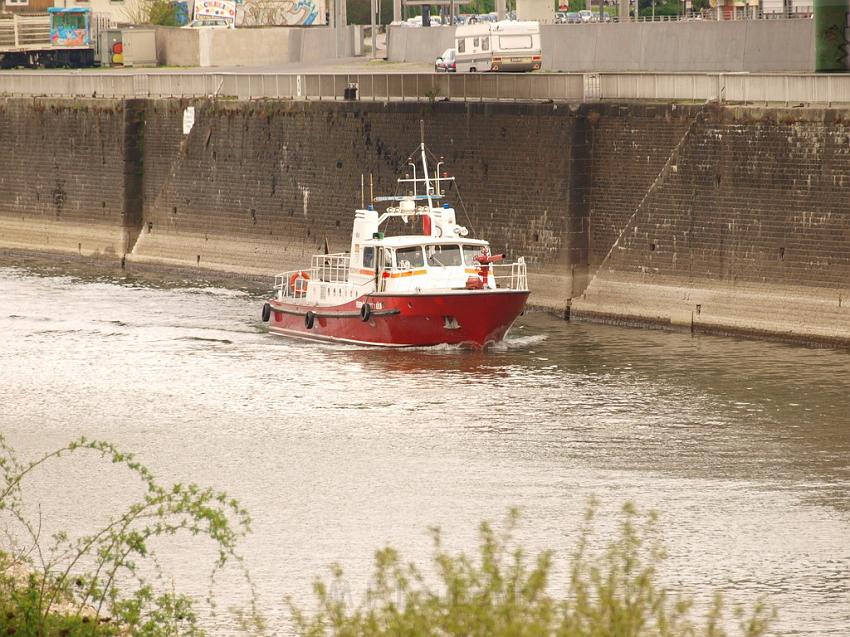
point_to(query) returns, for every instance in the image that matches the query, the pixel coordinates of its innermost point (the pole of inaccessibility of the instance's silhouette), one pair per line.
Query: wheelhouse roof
(407, 241)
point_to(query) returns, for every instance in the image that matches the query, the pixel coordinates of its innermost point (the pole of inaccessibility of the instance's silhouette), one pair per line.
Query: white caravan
(498, 46)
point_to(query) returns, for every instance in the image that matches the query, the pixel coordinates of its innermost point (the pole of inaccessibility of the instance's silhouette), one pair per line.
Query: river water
(743, 447)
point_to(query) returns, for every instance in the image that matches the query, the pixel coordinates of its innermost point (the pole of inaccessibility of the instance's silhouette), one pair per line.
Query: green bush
(164, 13)
(69, 587)
(505, 593)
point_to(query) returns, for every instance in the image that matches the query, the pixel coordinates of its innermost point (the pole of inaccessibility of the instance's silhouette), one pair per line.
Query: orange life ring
(294, 288)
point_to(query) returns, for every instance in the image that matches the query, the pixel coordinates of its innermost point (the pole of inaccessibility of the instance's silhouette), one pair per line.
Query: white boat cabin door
(381, 267)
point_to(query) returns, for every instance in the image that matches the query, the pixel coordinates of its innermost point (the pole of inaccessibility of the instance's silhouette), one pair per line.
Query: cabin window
(469, 254)
(461, 45)
(441, 256)
(369, 257)
(515, 42)
(407, 258)
(485, 44)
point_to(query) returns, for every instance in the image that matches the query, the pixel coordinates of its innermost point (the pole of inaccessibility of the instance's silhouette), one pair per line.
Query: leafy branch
(49, 583)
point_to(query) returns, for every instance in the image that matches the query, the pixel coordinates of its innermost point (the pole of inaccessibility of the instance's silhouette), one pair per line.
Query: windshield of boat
(443, 255)
(469, 253)
(411, 257)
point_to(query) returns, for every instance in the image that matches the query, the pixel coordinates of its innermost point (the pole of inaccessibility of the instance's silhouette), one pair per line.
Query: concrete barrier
(777, 44)
(252, 46)
(247, 47)
(407, 44)
(737, 46)
(177, 47)
(703, 45)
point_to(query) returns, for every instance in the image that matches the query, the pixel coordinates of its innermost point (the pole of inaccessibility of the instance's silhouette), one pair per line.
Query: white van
(498, 46)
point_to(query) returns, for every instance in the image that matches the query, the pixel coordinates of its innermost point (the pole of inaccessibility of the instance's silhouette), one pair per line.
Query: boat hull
(470, 318)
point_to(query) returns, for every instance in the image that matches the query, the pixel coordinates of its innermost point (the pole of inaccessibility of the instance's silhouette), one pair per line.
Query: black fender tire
(365, 312)
(309, 319)
(267, 312)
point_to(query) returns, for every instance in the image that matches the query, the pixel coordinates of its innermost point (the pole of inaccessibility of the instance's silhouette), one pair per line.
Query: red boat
(435, 287)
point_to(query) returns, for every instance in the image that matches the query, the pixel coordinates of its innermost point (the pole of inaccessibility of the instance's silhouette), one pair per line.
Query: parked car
(447, 62)
(586, 15)
(573, 17)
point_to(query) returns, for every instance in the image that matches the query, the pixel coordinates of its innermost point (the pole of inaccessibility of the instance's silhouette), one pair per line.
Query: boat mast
(425, 165)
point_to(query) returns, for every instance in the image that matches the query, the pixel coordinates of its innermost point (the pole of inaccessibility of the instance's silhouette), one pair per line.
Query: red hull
(471, 319)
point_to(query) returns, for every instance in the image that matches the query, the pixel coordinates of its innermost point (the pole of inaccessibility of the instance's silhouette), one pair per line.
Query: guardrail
(707, 15)
(370, 87)
(424, 87)
(805, 88)
(799, 12)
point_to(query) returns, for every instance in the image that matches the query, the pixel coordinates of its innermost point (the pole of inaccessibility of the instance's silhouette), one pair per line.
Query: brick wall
(630, 146)
(756, 197)
(263, 186)
(62, 175)
(749, 230)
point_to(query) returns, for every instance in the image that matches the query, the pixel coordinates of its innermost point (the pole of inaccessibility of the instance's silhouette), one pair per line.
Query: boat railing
(328, 269)
(331, 268)
(288, 286)
(512, 276)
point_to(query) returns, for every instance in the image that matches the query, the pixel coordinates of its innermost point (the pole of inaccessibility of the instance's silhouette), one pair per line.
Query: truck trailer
(63, 37)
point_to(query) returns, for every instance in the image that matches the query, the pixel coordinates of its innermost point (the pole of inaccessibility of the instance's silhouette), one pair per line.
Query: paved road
(344, 65)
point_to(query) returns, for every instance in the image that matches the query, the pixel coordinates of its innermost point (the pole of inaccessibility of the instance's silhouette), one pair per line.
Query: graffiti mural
(284, 12)
(224, 9)
(69, 27)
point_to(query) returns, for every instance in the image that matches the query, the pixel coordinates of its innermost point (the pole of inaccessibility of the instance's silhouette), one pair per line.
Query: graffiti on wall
(223, 9)
(284, 12)
(69, 27)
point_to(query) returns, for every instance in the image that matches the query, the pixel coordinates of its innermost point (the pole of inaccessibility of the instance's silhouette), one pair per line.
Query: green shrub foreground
(502, 592)
(93, 586)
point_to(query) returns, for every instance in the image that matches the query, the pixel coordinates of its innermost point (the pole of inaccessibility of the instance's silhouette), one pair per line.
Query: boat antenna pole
(425, 165)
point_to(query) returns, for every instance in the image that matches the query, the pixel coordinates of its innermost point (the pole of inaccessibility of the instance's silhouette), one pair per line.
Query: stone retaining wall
(723, 219)
(62, 181)
(747, 230)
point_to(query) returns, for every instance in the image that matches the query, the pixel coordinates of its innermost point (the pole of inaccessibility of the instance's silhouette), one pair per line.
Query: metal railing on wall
(428, 87)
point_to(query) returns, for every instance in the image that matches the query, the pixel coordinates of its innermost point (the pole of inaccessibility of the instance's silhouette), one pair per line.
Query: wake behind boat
(437, 287)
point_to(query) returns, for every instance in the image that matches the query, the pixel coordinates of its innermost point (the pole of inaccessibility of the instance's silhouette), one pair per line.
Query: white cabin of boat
(439, 258)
